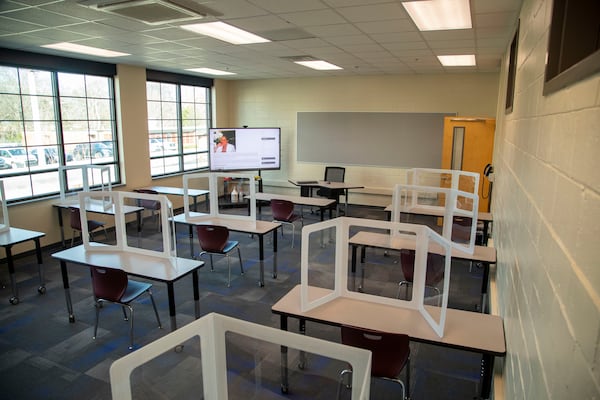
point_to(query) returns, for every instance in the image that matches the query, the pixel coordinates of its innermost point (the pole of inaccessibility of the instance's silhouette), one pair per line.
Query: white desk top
(17, 235)
(257, 227)
(177, 191)
(300, 200)
(157, 268)
(325, 184)
(481, 215)
(482, 333)
(385, 241)
(97, 208)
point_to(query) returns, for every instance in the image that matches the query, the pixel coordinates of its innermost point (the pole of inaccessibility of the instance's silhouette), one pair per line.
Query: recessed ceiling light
(228, 33)
(439, 15)
(466, 60)
(78, 48)
(210, 71)
(318, 64)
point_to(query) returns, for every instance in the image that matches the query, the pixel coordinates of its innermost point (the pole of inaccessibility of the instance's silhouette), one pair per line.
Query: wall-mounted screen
(237, 149)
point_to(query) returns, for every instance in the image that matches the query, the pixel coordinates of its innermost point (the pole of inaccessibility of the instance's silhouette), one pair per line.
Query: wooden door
(468, 146)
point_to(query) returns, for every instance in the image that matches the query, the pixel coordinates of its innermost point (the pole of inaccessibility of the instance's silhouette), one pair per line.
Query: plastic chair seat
(283, 211)
(214, 239)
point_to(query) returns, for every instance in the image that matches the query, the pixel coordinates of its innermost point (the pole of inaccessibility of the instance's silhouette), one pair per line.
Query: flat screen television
(243, 149)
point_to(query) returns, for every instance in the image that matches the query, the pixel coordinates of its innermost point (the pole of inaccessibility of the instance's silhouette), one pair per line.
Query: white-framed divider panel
(215, 185)
(4, 219)
(456, 211)
(205, 363)
(335, 276)
(84, 177)
(117, 201)
(445, 178)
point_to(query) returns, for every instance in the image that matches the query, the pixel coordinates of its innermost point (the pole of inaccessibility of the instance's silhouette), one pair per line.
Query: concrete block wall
(546, 208)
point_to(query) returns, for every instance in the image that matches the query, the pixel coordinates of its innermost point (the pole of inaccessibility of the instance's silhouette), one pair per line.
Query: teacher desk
(328, 185)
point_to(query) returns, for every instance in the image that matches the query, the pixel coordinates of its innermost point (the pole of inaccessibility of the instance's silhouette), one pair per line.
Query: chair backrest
(149, 204)
(390, 351)
(335, 174)
(283, 210)
(75, 218)
(109, 283)
(435, 267)
(212, 238)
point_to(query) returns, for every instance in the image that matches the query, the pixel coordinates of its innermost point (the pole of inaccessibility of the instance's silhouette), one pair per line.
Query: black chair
(333, 174)
(75, 221)
(112, 285)
(390, 354)
(214, 239)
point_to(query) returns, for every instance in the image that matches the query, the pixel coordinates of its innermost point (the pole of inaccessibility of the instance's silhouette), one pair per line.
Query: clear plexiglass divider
(206, 338)
(425, 244)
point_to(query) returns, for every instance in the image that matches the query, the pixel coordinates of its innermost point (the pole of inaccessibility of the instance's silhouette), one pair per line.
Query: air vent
(151, 12)
(299, 58)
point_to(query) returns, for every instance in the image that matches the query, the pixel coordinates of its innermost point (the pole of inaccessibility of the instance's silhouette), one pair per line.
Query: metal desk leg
(191, 234)
(196, 293)
(284, 357)
(484, 286)
(65, 278)
(62, 228)
(171, 295)
(275, 254)
(11, 271)
(261, 259)
(487, 369)
(38, 253)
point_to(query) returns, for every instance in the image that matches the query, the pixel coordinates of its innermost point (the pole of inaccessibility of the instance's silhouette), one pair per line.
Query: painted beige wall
(546, 207)
(275, 102)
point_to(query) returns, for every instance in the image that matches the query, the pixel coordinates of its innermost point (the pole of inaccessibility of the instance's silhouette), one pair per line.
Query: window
(512, 72)
(573, 48)
(48, 119)
(178, 123)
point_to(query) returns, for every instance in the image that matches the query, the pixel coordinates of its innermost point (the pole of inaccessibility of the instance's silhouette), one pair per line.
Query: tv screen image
(239, 149)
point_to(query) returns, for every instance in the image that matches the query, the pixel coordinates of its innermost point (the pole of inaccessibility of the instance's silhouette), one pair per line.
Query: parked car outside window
(18, 157)
(94, 150)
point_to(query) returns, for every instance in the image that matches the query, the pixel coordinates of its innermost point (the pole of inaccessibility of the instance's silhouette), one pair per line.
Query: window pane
(11, 131)
(38, 108)
(154, 110)
(39, 133)
(9, 81)
(98, 86)
(35, 82)
(10, 107)
(169, 110)
(153, 90)
(99, 108)
(71, 84)
(187, 94)
(72, 108)
(168, 92)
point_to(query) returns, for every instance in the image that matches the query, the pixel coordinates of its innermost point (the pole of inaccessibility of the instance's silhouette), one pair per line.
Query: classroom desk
(320, 202)
(483, 216)
(154, 268)
(260, 228)
(95, 208)
(177, 191)
(15, 236)
(464, 330)
(328, 185)
(483, 254)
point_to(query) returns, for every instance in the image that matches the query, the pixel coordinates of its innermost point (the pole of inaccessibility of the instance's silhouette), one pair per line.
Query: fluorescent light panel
(78, 48)
(210, 71)
(318, 64)
(439, 15)
(465, 60)
(228, 33)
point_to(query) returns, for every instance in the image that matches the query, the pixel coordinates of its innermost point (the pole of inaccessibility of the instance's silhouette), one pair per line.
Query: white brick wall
(546, 209)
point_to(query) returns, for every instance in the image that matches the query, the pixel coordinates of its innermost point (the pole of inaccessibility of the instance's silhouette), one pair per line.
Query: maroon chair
(433, 276)
(152, 205)
(112, 285)
(283, 211)
(390, 354)
(214, 239)
(75, 220)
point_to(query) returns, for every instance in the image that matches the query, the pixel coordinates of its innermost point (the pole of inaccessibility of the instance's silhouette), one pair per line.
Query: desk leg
(283, 325)
(484, 286)
(346, 203)
(65, 278)
(62, 228)
(196, 293)
(38, 253)
(191, 235)
(275, 254)
(11, 271)
(487, 369)
(171, 295)
(485, 232)
(302, 355)
(261, 259)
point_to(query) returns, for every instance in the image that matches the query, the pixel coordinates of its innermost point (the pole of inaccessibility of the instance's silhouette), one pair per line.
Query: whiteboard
(402, 140)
